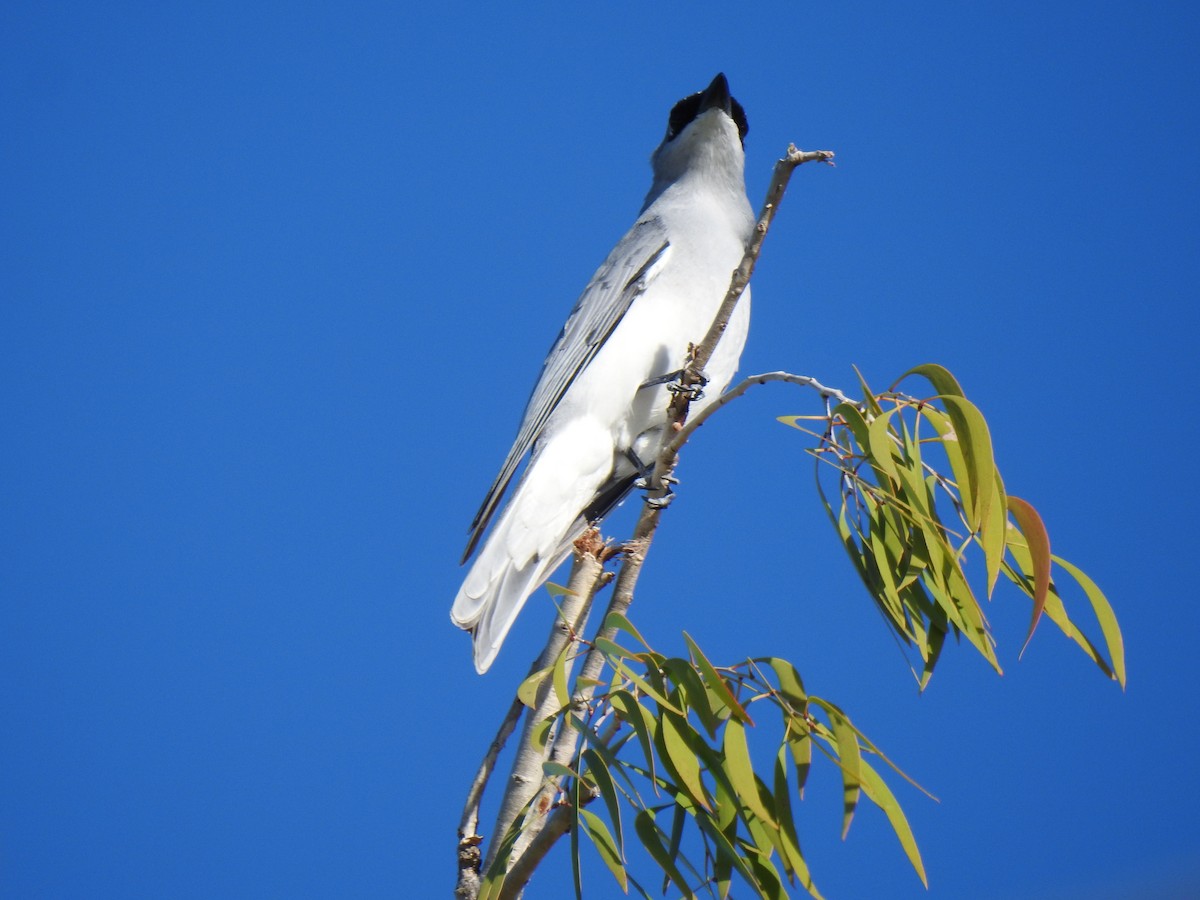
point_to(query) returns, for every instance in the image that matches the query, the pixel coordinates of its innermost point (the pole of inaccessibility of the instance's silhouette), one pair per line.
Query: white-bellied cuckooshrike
(600, 405)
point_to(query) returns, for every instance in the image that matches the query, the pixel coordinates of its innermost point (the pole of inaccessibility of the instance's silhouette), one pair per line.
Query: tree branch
(557, 824)
(740, 388)
(469, 857)
(741, 275)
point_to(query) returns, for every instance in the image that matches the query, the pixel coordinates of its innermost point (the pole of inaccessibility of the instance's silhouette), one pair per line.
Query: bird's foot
(674, 383)
(689, 391)
(661, 502)
(646, 472)
(643, 482)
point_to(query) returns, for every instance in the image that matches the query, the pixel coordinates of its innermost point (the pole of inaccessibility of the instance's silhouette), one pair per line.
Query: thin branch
(741, 275)
(469, 856)
(740, 388)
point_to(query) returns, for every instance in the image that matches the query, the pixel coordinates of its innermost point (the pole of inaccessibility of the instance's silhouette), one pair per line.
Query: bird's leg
(662, 379)
(645, 472)
(645, 475)
(674, 383)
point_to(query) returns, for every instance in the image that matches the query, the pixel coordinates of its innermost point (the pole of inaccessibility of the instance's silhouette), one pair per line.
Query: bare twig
(740, 388)
(741, 275)
(469, 857)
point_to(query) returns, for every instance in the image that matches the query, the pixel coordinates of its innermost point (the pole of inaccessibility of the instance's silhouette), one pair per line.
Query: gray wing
(597, 312)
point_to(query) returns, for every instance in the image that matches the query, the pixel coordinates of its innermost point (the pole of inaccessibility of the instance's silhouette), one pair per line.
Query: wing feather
(599, 309)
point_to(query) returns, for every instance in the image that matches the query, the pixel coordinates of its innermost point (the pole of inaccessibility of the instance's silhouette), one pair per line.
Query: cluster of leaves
(907, 524)
(668, 740)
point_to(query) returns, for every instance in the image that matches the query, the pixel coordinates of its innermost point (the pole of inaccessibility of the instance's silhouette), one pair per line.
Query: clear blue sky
(275, 282)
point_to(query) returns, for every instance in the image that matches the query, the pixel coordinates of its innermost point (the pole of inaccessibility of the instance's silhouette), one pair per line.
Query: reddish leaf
(1035, 534)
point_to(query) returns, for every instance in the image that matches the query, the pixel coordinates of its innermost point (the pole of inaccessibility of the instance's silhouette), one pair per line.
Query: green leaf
(770, 884)
(678, 819)
(791, 686)
(916, 493)
(886, 593)
(879, 440)
(651, 836)
(741, 770)
(788, 841)
(1038, 542)
(608, 849)
(613, 650)
(597, 769)
(642, 892)
(674, 735)
(866, 743)
(994, 534)
(796, 736)
(761, 832)
(715, 682)
(722, 833)
(643, 684)
(856, 422)
(576, 862)
(541, 731)
(639, 719)
(941, 379)
(937, 638)
(953, 449)
(1057, 613)
(561, 692)
(799, 741)
(976, 443)
(726, 813)
(557, 770)
(618, 621)
(948, 585)
(528, 691)
(1105, 616)
(869, 400)
(1054, 610)
(849, 759)
(882, 796)
(691, 692)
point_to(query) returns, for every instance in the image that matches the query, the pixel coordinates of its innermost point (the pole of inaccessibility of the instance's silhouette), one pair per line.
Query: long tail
(548, 510)
(496, 589)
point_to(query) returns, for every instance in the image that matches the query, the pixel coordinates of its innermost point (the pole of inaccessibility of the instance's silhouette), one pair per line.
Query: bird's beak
(716, 96)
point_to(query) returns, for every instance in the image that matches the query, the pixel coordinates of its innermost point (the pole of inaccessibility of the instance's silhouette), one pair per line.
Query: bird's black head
(715, 96)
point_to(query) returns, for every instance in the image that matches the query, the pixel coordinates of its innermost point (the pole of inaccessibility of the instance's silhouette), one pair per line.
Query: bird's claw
(660, 502)
(690, 392)
(674, 383)
(643, 483)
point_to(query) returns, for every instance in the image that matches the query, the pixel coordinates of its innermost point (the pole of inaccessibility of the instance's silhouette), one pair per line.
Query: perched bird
(600, 405)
